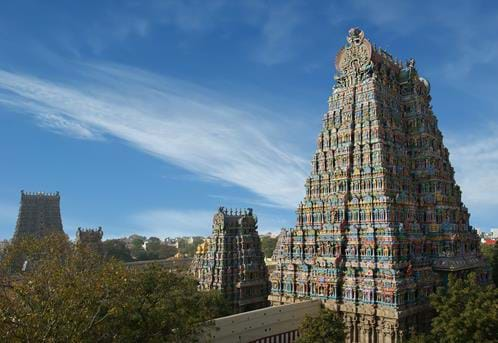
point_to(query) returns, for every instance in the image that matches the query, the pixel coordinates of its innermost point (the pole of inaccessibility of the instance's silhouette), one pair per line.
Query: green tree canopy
(268, 245)
(490, 253)
(116, 248)
(187, 248)
(156, 249)
(74, 295)
(466, 312)
(328, 327)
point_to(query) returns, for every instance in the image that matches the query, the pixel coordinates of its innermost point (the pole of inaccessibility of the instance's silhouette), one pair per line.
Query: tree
(75, 295)
(184, 247)
(466, 311)
(328, 327)
(268, 245)
(490, 253)
(116, 248)
(166, 251)
(153, 244)
(137, 249)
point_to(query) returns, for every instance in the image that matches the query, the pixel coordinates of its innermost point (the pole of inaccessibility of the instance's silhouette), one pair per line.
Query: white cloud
(173, 223)
(188, 222)
(176, 121)
(475, 158)
(276, 24)
(279, 34)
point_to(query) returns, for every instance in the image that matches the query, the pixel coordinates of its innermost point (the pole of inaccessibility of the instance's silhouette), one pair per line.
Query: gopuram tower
(382, 222)
(39, 214)
(231, 260)
(90, 238)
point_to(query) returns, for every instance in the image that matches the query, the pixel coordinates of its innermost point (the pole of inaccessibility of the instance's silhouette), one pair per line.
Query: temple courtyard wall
(278, 324)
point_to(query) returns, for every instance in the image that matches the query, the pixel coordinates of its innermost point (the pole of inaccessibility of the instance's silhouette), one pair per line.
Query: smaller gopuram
(231, 261)
(282, 241)
(91, 238)
(39, 214)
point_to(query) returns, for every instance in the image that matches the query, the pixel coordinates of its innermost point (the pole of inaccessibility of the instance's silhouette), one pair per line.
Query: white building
(494, 233)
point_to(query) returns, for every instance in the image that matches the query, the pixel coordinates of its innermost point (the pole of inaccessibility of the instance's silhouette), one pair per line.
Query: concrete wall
(277, 324)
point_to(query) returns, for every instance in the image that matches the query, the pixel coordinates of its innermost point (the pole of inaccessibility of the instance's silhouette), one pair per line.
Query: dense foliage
(116, 248)
(328, 327)
(490, 253)
(188, 247)
(268, 245)
(69, 294)
(155, 249)
(466, 312)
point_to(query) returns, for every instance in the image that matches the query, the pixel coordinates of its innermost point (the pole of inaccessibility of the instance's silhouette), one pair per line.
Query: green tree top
(466, 312)
(328, 327)
(490, 253)
(74, 295)
(268, 245)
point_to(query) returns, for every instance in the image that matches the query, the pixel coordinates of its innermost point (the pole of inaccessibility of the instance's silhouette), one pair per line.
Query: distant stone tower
(91, 238)
(283, 241)
(231, 260)
(39, 214)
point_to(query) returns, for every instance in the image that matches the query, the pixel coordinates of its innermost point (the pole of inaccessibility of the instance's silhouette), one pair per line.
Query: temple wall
(271, 324)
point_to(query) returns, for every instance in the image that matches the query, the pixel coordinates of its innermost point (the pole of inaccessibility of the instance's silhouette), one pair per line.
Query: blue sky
(148, 115)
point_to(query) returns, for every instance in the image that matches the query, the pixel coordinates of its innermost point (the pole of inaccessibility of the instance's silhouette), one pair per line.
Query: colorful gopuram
(39, 214)
(382, 222)
(231, 261)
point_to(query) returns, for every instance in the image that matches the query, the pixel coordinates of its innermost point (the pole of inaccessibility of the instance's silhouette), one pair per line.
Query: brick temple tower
(232, 261)
(39, 214)
(382, 222)
(91, 238)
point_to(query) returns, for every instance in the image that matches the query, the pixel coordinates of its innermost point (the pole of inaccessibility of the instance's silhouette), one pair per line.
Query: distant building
(494, 233)
(170, 242)
(488, 241)
(91, 238)
(231, 260)
(39, 214)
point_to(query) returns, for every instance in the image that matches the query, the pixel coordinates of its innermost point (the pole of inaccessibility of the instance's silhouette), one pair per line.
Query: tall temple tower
(382, 222)
(39, 214)
(90, 238)
(232, 261)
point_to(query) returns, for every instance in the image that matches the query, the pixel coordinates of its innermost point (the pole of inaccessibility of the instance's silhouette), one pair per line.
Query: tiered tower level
(231, 261)
(39, 214)
(382, 221)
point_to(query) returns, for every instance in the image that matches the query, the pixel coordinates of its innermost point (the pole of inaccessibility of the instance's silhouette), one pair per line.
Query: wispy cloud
(475, 158)
(279, 34)
(189, 222)
(276, 24)
(138, 19)
(173, 222)
(176, 121)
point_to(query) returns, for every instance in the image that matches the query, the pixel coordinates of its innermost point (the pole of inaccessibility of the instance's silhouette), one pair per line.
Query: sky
(148, 115)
